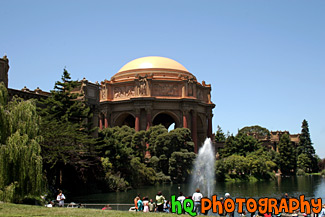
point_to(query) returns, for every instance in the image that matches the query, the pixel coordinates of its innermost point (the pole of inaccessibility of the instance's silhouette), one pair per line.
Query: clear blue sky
(264, 59)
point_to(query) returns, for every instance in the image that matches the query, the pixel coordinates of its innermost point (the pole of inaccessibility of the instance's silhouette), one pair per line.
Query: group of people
(60, 200)
(163, 205)
(144, 204)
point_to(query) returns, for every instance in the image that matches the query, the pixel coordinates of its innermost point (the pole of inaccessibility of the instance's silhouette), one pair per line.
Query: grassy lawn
(9, 209)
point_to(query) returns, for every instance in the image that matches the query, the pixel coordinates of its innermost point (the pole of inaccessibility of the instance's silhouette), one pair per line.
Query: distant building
(271, 141)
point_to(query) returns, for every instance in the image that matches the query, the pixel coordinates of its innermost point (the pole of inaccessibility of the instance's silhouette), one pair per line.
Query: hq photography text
(262, 205)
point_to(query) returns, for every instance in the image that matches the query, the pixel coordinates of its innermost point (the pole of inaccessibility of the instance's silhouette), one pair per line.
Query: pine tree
(20, 158)
(287, 155)
(67, 143)
(220, 136)
(306, 146)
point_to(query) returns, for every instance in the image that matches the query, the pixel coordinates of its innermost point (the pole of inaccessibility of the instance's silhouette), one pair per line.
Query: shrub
(322, 173)
(300, 172)
(162, 178)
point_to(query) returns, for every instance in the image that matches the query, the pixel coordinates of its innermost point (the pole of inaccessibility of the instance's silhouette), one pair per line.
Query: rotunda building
(157, 90)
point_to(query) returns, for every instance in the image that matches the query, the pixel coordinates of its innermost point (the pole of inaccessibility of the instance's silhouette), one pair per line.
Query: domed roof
(153, 62)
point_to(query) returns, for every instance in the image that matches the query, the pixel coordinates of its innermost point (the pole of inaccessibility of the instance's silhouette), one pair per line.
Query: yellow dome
(153, 62)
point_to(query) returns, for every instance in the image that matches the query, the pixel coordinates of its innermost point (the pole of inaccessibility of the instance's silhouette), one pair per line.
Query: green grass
(314, 174)
(9, 209)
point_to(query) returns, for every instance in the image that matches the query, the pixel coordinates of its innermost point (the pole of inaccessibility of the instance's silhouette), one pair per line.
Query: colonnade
(187, 116)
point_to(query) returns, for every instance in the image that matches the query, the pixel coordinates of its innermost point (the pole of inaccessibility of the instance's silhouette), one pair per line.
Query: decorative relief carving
(124, 92)
(190, 83)
(104, 92)
(165, 89)
(143, 84)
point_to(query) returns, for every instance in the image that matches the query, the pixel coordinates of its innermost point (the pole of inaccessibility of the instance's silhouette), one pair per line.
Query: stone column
(194, 130)
(184, 89)
(185, 125)
(100, 122)
(106, 120)
(149, 123)
(137, 120)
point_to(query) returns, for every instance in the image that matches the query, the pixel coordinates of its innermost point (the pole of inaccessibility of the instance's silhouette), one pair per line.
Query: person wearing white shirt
(197, 196)
(181, 198)
(60, 198)
(322, 212)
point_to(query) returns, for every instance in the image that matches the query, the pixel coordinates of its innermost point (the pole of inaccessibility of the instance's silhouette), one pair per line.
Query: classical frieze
(165, 89)
(123, 92)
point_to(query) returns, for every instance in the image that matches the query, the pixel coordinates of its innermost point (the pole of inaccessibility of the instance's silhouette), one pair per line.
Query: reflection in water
(310, 186)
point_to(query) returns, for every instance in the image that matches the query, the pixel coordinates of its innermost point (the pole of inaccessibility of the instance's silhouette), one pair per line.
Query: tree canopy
(254, 129)
(67, 145)
(308, 160)
(287, 155)
(20, 158)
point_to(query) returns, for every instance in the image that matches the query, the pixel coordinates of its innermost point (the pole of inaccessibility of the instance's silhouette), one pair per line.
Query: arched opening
(125, 119)
(166, 120)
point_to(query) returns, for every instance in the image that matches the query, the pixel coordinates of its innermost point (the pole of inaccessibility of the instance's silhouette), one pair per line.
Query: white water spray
(203, 174)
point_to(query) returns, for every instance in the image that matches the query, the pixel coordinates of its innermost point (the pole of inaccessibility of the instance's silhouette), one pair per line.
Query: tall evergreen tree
(67, 143)
(220, 136)
(306, 147)
(287, 158)
(20, 158)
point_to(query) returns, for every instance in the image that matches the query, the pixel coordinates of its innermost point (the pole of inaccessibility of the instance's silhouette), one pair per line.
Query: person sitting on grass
(107, 207)
(140, 205)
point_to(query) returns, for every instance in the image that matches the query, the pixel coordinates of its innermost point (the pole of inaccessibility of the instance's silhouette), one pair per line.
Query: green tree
(241, 144)
(306, 147)
(152, 135)
(167, 143)
(262, 163)
(20, 158)
(122, 156)
(303, 162)
(259, 164)
(139, 144)
(220, 136)
(287, 155)
(255, 129)
(67, 145)
(246, 144)
(230, 147)
(179, 168)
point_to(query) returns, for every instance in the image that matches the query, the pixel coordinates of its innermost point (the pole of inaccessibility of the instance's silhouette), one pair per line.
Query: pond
(310, 186)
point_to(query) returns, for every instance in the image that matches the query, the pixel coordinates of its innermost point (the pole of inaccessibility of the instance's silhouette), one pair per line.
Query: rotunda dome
(151, 64)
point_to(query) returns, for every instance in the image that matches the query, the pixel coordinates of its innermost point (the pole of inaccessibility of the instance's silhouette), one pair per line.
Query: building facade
(145, 92)
(157, 90)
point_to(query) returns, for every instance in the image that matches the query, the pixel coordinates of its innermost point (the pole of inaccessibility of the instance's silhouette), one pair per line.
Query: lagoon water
(310, 186)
